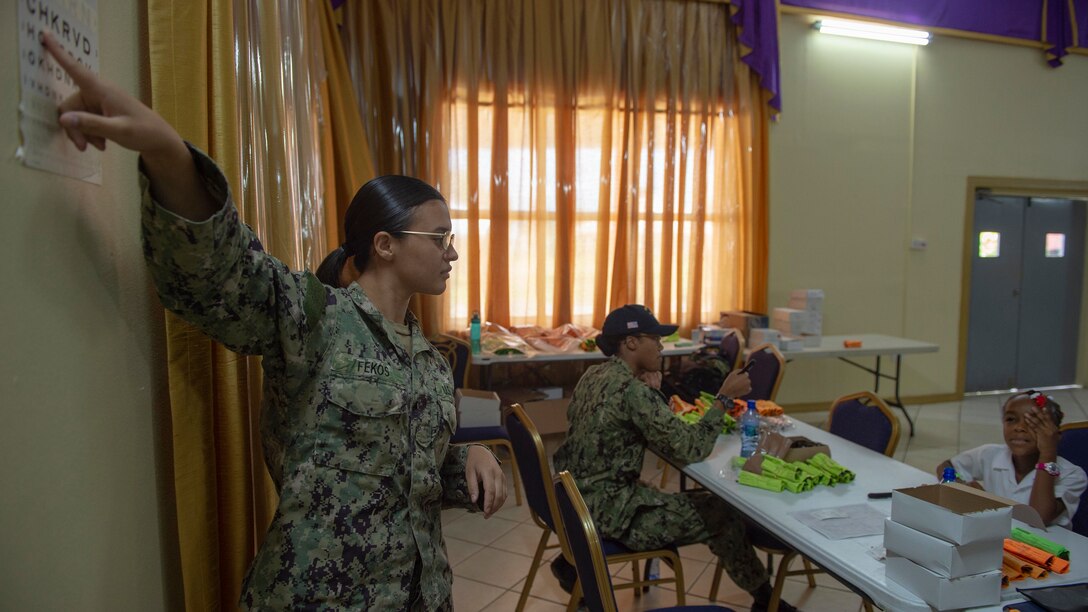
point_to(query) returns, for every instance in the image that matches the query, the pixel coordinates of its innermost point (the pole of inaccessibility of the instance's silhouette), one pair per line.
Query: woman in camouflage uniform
(358, 406)
(616, 414)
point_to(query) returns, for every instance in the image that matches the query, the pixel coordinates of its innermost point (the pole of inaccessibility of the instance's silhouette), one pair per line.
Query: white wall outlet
(918, 244)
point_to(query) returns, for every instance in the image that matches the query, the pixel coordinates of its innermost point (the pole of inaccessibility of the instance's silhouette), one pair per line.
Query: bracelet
(488, 448)
(1050, 467)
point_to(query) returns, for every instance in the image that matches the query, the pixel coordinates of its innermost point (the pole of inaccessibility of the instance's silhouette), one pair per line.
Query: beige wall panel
(874, 147)
(81, 379)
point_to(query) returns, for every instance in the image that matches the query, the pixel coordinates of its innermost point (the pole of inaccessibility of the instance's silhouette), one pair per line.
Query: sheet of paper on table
(841, 522)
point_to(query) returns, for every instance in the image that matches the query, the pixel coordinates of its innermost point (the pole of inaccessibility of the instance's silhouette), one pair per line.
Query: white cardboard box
(942, 558)
(790, 321)
(477, 408)
(807, 299)
(764, 335)
(958, 513)
(944, 593)
(791, 343)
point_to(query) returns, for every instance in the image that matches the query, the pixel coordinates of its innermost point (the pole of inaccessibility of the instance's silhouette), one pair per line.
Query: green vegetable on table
(794, 476)
(1029, 538)
(762, 482)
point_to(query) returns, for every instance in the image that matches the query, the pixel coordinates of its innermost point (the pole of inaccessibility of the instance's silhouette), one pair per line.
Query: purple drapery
(758, 24)
(1066, 24)
(1080, 22)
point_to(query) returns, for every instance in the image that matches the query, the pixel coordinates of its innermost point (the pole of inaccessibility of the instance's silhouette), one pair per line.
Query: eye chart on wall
(44, 85)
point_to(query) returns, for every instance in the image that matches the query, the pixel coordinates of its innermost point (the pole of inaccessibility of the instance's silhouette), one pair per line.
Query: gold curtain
(594, 153)
(282, 124)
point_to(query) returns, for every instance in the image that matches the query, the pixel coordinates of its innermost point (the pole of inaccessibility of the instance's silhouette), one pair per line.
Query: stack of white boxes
(944, 543)
(802, 323)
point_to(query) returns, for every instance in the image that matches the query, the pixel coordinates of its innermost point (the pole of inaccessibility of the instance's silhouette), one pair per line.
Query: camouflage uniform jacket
(614, 417)
(355, 430)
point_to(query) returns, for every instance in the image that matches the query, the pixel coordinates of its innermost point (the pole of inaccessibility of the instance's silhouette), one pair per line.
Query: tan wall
(80, 375)
(874, 147)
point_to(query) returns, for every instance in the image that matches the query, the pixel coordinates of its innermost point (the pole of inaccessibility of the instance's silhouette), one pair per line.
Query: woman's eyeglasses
(444, 240)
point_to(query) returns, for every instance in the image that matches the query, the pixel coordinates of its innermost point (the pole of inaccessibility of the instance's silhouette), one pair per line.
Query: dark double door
(1026, 275)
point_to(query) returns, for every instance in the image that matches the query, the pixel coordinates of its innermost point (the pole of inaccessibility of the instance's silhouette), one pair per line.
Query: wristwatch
(1050, 468)
(727, 402)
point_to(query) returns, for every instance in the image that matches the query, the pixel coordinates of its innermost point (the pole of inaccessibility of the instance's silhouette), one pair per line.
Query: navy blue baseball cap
(634, 319)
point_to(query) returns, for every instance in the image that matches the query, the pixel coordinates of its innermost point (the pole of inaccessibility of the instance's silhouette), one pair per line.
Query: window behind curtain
(593, 153)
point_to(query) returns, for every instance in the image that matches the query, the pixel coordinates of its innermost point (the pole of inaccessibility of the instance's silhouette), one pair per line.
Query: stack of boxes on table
(945, 543)
(798, 326)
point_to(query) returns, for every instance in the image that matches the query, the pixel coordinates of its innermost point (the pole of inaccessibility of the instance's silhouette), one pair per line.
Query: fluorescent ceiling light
(872, 31)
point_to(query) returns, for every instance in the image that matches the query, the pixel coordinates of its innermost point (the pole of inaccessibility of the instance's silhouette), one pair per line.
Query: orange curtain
(290, 142)
(212, 390)
(594, 153)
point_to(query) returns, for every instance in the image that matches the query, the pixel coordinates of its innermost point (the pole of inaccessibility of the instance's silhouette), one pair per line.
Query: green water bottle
(474, 332)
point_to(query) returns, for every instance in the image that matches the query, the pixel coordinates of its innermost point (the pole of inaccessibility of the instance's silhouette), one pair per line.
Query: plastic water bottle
(655, 569)
(949, 475)
(749, 430)
(474, 332)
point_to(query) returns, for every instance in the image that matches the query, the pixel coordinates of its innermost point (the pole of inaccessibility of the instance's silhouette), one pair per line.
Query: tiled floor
(491, 558)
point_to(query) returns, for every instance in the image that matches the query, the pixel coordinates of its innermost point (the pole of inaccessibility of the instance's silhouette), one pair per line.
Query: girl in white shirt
(1027, 468)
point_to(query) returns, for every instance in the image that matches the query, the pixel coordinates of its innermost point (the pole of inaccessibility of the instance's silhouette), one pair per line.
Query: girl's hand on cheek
(1045, 431)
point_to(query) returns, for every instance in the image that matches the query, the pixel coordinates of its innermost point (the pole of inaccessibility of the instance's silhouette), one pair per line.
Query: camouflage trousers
(698, 517)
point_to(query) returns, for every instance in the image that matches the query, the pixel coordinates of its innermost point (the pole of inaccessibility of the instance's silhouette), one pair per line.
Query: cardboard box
(802, 448)
(941, 557)
(549, 416)
(807, 299)
(944, 593)
(743, 320)
(762, 335)
(812, 340)
(791, 343)
(790, 321)
(958, 513)
(787, 448)
(709, 334)
(477, 408)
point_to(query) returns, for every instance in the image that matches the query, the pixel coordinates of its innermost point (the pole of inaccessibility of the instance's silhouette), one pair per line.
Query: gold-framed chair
(766, 373)
(731, 348)
(1073, 447)
(863, 418)
(586, 548)
(536, 475)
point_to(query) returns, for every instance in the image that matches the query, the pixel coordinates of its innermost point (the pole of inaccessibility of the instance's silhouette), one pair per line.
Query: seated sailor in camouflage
(616, 414)
(358, 406)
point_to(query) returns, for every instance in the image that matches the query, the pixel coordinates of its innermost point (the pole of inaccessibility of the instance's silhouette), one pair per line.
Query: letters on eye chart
(44, 85)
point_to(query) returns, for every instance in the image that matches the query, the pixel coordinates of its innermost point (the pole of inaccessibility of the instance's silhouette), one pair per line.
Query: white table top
(849, 559)
(672, 349)
(871, 344)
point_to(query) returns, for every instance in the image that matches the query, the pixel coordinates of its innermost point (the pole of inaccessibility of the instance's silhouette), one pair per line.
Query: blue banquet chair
(536, 474)
(1074, 448)
(587, 548)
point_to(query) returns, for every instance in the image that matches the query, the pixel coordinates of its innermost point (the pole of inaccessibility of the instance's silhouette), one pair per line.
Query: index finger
(81, 75)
